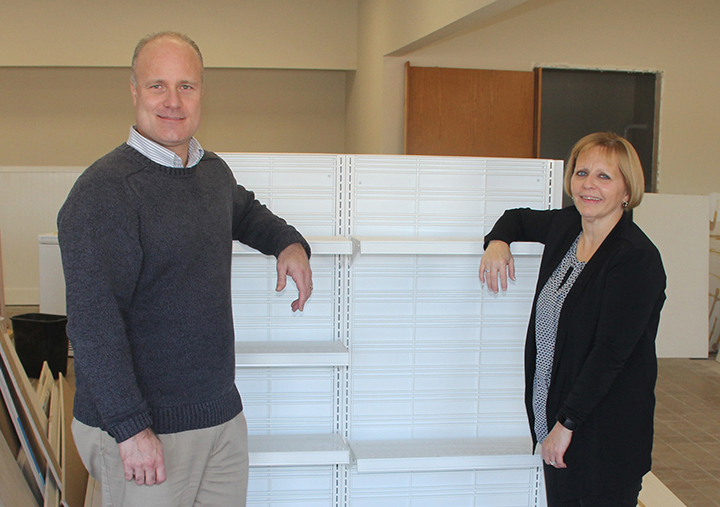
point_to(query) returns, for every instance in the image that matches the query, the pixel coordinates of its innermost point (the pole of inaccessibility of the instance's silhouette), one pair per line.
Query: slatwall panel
(287, 401)
(433, 357)
(303, 189)
(296, 486)
(463, 488)
(422, 365)
(442, 196)
(261, 314)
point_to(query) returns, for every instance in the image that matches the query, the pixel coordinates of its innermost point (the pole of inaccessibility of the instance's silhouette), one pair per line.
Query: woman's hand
(555, 445)
(497, 261)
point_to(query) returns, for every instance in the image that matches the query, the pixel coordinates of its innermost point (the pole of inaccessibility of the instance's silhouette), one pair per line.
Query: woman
(590, 363)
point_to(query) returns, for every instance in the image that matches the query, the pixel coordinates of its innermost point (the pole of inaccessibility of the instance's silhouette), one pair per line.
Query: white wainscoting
(30, 198)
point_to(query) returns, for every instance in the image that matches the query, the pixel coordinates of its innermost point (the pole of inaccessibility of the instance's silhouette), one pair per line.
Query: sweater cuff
(131, 427)
(291, 240)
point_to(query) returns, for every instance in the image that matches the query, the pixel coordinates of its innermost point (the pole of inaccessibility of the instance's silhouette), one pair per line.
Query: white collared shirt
(160, 154)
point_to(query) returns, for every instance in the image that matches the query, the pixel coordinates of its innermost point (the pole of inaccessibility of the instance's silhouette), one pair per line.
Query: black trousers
(623, 497)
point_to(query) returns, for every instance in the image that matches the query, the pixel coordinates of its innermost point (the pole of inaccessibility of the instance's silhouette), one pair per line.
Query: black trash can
(41, 337)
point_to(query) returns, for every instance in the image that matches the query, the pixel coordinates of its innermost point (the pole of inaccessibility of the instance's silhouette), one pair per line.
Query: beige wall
(373, 37)
(275, 78)
(274, 110)
(374, 110)
(275, 34)
(63, 116)
(679, 39)
(307, 34)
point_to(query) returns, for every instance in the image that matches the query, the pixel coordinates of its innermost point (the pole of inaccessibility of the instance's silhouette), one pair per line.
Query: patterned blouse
(549, 303)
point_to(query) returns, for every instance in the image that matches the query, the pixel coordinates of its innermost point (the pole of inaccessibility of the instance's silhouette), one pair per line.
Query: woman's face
(597, 185)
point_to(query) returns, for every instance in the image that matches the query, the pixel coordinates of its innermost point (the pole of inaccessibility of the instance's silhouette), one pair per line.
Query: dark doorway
(579, 102)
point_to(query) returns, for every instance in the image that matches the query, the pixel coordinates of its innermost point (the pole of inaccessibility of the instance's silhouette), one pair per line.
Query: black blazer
(605, 366)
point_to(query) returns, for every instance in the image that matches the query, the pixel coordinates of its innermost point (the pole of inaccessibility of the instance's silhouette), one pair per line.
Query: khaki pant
(206, 467)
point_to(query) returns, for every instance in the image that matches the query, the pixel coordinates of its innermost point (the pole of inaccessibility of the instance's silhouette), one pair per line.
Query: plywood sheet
(26, 456)
(51, 496)
(31, 418)
(14, 490)
(74, 474)
(7, 430)
(655, 494)
(93, 498)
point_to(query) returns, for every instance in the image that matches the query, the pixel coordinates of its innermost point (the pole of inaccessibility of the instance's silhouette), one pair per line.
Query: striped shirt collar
(160, 154)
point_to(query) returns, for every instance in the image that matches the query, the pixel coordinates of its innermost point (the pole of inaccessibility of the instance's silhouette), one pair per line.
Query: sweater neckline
(150, 164)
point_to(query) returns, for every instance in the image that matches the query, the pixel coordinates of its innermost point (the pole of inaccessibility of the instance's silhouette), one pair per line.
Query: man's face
(167, 92)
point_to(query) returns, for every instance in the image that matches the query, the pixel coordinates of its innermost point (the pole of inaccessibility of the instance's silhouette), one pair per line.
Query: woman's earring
(624, 204)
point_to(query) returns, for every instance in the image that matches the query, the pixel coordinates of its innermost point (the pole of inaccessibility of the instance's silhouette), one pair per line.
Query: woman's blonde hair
(627, 160)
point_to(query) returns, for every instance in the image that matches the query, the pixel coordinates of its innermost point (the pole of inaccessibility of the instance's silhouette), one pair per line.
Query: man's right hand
(142, 457)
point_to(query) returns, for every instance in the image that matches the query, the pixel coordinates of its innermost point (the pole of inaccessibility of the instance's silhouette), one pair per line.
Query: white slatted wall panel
(305, 190)
(471, 488)
(424, 364)
(432, 355)
(291, 486)
(300, 188)
(442, 196)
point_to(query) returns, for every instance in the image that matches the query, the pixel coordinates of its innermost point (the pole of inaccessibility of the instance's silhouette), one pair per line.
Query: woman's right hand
(497, 262)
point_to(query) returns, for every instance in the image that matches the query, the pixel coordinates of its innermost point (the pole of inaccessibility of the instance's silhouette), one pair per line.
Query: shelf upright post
(342, 323)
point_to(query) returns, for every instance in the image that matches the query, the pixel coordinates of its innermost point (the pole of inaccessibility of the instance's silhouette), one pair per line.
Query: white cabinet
(52, 281)
(401, 383)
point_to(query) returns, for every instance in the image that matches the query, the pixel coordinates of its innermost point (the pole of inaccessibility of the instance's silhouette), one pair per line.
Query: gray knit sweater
(146, 251)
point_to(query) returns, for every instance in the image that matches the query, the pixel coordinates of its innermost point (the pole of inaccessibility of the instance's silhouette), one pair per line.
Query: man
(145, 237)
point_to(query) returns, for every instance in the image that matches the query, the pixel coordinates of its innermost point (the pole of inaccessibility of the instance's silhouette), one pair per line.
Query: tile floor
(686, 457)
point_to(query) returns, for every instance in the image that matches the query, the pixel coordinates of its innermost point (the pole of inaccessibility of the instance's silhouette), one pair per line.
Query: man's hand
(294, 261)
(142, 458)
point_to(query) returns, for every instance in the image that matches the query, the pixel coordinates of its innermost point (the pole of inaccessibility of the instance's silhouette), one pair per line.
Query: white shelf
(378, 456)
(416, 245)
(290, 354)
(320, 245)
(390, 245)
(50, 238)
(443, 454)
(297, 450)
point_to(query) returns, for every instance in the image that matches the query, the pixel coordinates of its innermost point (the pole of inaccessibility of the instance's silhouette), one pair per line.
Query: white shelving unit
(441, 454)
(289, 450)
(289, 354)
(401, 383)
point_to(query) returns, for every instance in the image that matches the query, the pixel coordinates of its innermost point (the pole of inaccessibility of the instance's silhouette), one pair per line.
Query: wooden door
(471, 112)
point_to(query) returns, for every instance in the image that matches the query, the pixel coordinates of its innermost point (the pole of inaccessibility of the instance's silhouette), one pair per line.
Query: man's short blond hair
(173, 35)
